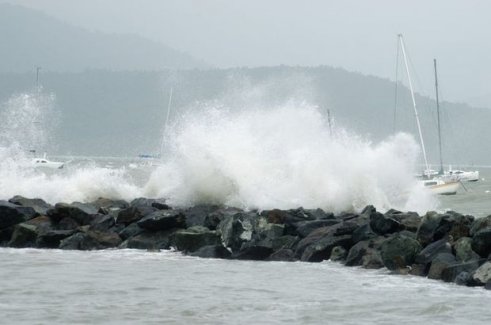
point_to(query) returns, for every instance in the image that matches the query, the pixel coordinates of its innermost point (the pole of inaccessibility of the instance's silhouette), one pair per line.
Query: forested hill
(122, 113)
(31, 38)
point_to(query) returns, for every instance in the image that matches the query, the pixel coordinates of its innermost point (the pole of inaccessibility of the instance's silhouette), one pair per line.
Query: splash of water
(285, 157)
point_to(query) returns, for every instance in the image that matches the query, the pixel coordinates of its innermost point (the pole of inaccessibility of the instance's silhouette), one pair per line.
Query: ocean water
(138, 287)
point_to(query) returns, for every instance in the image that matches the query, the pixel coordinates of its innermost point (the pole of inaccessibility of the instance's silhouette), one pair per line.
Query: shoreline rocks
(451, 247)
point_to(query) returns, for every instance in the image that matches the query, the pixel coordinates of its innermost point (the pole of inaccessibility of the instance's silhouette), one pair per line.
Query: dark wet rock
(432, 250)
(483, 274)
(409, 221)
(212, 251)
(437, 226)
(39, 205)
(12, 214)
(323, 240)
(366, 254)
(289, 218)
(91, 240)
(399, 251)
(81, 213)
(487, 286)
(67, 223)
(159, 204)
(130, 231)
(104, 205)
(163, 220)
(363, 232)
(102, 222)
(463, 278)
(304, 228)
(266, 234)
(193, 238)
(481, 242)
(463, 250)
(150, 240)
(440, 263)
(52, 238)
(24, 235)
(382, 225)
(480, 224)
(284, 242)
(254, 253)
(283, 255)
(134, 213)
(418, 270)
(338, 253)
(321, 249)
(452, 272)
(6, 235)
(197, 215)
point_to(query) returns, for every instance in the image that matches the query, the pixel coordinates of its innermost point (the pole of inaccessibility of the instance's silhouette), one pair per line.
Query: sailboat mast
(166, 122)
(438, 118)
(414, 102)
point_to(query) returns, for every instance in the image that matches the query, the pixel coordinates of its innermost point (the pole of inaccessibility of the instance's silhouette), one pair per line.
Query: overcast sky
(358, 35)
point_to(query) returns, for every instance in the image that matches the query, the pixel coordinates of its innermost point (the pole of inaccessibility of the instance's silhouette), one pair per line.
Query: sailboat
(437, 185)
(456, 174)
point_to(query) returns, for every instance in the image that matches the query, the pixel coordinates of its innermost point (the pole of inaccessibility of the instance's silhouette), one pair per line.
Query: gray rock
(427, 255)
(399, 251)
(463, 250)
(382, 225)
(283, 255)
(452, 272)
(24, 235)
(439, 264)
(304, 228)
(133, 214)
(483, 274)
(163, 220)
(150, 240)
(79, 212)
(52, 238)
(102, 222)
(321, 249)
(481, 242)
(253, 252)
(238, 229)
(39, 205)
(194, 238)
(338, 253)
(130, 231)
(12, 214)
(480, 224)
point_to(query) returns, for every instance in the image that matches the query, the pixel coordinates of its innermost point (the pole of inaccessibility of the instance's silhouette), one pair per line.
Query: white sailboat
(435, 184)
(45, 163)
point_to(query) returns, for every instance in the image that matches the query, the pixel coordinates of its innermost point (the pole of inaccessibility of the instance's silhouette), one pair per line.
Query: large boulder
(159, 204)
(383, 225)
(283, 255)
(483, 274)
(133, 214)
(481, 242)
(102, 222)
(12, 214)
(193, 238)
(321, 249)
(24, 235)
(81, 213)
(253, 252)
(52, 238)
(454, 272)
(399, 251)
(290, 218)
(304, 228)
(198, 215)
(439, 264)
(108, 206)
(409, 221)
(39, 205)
(150, 240)
(163, 220)
(130, 231)
(91, 240)
(237, 229)
(463, 250)
(366, 253)
(427, 255)
(437, 226)
(480, 224)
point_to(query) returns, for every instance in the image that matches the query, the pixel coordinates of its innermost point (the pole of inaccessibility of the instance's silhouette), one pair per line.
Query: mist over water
(285, 156)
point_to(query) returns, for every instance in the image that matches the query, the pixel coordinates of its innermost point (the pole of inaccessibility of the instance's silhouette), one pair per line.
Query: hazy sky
(358, 35)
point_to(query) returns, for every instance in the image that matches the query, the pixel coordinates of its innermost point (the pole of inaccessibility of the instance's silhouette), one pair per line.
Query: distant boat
(462, 175)
(45, 163)
(437, 185)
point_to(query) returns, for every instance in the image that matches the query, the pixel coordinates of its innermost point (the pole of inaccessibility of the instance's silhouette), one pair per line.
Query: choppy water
(138, 287)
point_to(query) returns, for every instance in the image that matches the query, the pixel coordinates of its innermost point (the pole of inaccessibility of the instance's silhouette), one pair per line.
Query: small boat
(438, 186)
(462, 175)
(45, 163)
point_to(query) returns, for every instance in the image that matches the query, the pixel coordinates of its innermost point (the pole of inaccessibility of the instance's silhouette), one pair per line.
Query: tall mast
(414, 102)
(438, 118)
(37, 78)
(165, 123)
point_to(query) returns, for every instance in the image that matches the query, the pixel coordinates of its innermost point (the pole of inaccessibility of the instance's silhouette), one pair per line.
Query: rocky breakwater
(451, 247)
